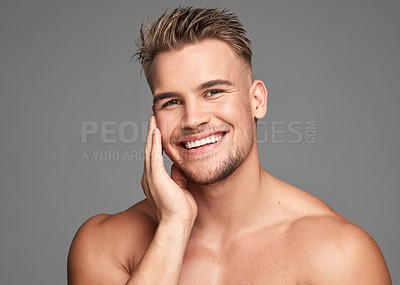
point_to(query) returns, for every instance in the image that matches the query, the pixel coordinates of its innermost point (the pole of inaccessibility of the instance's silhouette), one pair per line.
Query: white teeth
(202, 142)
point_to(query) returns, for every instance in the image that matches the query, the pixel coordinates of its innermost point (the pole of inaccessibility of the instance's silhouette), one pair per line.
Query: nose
(195, 115)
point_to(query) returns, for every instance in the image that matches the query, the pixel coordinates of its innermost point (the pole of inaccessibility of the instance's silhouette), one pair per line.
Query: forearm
(162, 262)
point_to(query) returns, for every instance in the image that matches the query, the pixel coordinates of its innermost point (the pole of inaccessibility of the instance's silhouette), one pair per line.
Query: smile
(202, 142)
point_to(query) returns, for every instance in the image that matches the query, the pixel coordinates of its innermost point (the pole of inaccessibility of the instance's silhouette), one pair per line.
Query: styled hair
(189, 25)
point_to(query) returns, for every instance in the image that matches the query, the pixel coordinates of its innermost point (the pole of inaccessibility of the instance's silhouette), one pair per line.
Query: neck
(237, 202)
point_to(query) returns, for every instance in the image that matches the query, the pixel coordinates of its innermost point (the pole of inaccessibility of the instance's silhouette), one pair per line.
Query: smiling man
(220, 218)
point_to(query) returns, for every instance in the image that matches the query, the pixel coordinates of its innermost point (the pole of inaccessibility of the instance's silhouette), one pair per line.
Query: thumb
(178, 177)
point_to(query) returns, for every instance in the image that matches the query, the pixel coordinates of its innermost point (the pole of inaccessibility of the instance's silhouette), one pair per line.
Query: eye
(213, 93)
(171, 102)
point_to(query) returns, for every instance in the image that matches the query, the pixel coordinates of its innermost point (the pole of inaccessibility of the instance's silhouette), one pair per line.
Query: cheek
(235, 110)
(238, 113)
(167, 124)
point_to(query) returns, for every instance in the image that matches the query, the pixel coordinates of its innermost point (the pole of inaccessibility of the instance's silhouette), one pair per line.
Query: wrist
(175, 229)
(177, 221)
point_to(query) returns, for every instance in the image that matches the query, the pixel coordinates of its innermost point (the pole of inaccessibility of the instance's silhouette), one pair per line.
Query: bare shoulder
(107, 247)
(339, 251)
(332, 249)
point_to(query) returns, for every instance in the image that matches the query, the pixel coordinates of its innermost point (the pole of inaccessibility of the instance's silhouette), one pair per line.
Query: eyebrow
(215, 82)
(165, 95)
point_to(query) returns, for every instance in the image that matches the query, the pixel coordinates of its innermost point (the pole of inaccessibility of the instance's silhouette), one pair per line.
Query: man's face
(203, 109)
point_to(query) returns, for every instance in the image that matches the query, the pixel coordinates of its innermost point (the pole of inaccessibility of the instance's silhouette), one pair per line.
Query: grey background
(67, 62)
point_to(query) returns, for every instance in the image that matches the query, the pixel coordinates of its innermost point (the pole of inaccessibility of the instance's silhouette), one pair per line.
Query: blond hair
(189, 25)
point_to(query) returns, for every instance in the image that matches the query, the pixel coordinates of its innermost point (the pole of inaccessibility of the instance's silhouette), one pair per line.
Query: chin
(206, 173)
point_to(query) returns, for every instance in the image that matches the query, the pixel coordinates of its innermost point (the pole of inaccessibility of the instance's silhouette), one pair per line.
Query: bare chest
(258, 261)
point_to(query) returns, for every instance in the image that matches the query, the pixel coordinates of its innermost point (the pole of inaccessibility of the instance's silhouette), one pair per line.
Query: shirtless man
(220, 218)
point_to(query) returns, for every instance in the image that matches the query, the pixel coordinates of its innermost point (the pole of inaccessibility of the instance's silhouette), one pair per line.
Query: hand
(168, 196)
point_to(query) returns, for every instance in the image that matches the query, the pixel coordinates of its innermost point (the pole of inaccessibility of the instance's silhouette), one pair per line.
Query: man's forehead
(195, 64)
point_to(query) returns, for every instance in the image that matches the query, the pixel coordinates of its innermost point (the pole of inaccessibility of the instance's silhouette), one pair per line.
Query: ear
(259, 94)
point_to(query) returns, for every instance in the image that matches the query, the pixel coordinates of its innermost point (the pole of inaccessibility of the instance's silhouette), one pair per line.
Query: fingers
(153, 150)
(147, 163)
(156, 158)
(149, 142)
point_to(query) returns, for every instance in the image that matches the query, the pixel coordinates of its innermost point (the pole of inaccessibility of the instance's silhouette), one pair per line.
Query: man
(220, 218)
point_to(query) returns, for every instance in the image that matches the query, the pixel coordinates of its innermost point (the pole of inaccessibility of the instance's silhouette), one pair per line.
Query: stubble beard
(219, 173)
